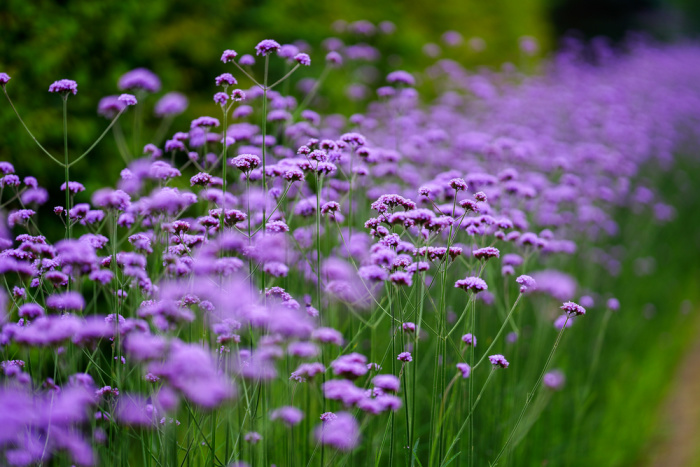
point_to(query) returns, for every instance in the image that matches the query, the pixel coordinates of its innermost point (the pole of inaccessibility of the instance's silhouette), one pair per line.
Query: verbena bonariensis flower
(554, 380)
(171, 104)
(140, 78)
(65, 86)
(341, 432)
(266, 47)
(498, 361)
(473, 284)
(573, 309)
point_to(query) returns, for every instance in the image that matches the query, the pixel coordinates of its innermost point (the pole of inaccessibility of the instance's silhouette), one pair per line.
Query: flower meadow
(272, 285)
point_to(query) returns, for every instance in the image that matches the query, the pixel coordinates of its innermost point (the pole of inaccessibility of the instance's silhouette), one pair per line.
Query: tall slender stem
(531, 394)
(66, 165)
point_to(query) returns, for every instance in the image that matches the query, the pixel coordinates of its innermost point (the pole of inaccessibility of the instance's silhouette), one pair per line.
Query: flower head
(469, 339)
(400, 77)
(171, 104)
(572, 308)
(228, 55)
(405, 357)
(465, 369)
(140, 78)
(527, 283)
(302, 59)
(225, 79)
(4, 79)
(554, 380)
(127, 99)
(474, 284)
(498, 361)
(266, 47)
(65, 86)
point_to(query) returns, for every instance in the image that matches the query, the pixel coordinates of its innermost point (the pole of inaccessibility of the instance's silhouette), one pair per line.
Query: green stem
(471, 412)
(531, 393)
(30, 133)
(500, 331)
(66, 165)
(98, 139)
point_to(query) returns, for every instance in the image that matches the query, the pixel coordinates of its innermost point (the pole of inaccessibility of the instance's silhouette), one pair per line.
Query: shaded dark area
(615, 19)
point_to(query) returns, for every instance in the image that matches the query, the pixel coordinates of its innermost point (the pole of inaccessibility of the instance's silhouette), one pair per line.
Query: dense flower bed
(272, 285)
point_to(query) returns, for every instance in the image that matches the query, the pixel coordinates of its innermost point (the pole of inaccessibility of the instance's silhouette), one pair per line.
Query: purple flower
(288, 415)
(350, 366)
(171, 104)
(66, 301)
(73, 187)
(333, 58)
(486, 253)
(400, 77)
(554, 380)
(469, 339)
(613, 304)
(498, 361)
(246, 60)
(225, 79)
(4, 79)
(573, 309)
(409, 327)
(221, 98)
(563, 320)
(387, 382)
(472, 283)
(267, 46)
(465, 369)
(527, 283)
(140, 78)
(340, 431)
(252, 437)
(327, 336)
(204, 122)
(405, 357)
(127, 99)
(228, 55)
(65, 86)
(302, 59)
(110, 106)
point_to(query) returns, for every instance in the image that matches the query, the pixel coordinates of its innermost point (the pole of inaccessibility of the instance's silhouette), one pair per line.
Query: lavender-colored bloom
(302, 59)
(498, 361)
(171, 104)
(288, 415)
(225, 79)
(252, 437)
(387, 382)
(73, 187)
(327, 336)
(66, 301)
(340, 431)
(110, 106)
(266, 47)
(486, 253)
(140, 78)
(204, 122)
(405, 357)
(221, 98)
(465, 369)
(4, 79)
(246, 60)
(472, 283)
(64, 85)
(613, 304)
(350, 366)
(400, 77)
(334, 58)
(563, 320)
(409, 327)
(554, 380)
(228, 55)
(469, 339)
(527, 283)
(572, 309)
(127, 99)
